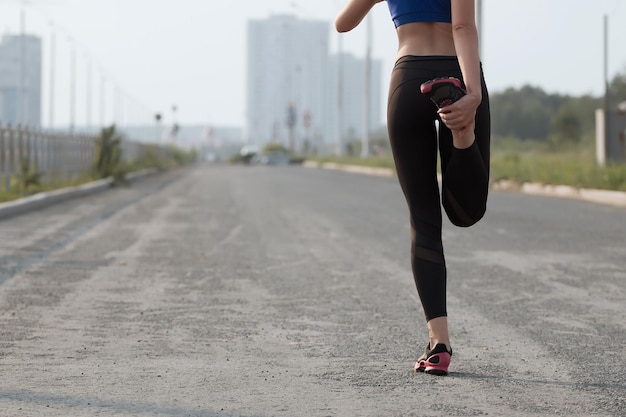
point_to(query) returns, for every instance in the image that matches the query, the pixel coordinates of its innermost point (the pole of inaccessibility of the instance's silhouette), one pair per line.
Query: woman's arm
(461, 114)
(465, 37)
(353, 13)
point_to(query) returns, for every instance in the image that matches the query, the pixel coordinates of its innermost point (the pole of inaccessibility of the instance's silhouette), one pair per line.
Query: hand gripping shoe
(435, 361)
(443, 91)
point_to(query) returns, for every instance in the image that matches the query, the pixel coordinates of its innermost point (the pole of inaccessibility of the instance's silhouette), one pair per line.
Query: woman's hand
(461, 114)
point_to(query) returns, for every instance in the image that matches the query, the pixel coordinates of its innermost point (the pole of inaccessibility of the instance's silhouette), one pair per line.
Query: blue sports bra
(407, 11)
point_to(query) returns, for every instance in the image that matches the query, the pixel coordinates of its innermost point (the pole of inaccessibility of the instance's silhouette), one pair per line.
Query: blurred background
(216, 76)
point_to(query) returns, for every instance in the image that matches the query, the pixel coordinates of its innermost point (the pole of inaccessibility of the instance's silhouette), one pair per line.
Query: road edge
(45, 199)
(609, 197)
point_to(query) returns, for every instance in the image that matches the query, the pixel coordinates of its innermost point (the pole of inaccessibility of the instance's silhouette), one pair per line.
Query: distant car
(249, 153)
(274, 158)
(249, 150)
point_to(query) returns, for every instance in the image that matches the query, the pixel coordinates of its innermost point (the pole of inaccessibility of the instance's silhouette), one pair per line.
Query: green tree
(524, 114)
(274, 147)
(566, 125)
(617, 89)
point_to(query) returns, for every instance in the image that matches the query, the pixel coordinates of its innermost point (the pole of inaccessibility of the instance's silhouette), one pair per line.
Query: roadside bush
(29, 178)
(151, 158)
(109, 162)
(181, 157)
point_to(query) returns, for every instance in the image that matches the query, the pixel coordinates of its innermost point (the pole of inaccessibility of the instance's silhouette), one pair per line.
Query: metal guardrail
(58, 156)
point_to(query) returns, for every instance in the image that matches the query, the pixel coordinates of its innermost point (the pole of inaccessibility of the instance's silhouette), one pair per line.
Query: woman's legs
(413, 137)
(465, 168)
(438, 332)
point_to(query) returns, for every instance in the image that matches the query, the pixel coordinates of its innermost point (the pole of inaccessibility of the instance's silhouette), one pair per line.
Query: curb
(614, 198)
(41, 200)
(355, 169)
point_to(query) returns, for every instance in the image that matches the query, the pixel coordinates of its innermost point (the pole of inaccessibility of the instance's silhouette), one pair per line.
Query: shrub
(109, 161)
(29, 178)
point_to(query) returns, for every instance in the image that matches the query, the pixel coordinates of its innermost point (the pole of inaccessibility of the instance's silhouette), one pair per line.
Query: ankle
(463, 142)
(434, 342)
(463, 139)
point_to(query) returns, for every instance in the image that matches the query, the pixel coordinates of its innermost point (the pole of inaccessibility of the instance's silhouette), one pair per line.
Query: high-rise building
(20, 80)
(286, 73)
(293, 87)
(346, 95)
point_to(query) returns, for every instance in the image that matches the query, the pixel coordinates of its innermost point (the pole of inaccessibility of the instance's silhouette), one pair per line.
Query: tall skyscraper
(348, 123)
(286, 73)
(20, 80)
(293, 87)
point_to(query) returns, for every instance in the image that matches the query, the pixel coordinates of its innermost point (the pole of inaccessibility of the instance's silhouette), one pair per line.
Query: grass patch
(153, 158)
(18, 192)
(530, 161)
(544, 163)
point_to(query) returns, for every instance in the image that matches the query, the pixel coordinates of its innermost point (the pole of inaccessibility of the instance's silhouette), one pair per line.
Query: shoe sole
(439, 368)
(428, 86)
(430, 370)
(453, 90)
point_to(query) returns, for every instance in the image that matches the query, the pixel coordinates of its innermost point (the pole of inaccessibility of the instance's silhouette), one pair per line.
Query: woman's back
(425, 39)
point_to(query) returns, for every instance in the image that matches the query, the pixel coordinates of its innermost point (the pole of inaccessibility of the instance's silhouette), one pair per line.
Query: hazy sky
(191, 53)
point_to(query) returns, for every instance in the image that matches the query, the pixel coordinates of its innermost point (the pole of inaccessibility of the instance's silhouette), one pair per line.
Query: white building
(289, 67)
(20, 80)
(286, 68)
(347, 123)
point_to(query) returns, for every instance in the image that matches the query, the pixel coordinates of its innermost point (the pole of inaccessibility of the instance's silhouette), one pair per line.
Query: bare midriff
(425, 39)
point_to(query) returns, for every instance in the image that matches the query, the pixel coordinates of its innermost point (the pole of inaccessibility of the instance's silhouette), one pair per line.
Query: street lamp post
(52, 75)
(73, 88)
(339, 149)
(88, 97)
(157, 123)
(367, 89)
(102, 99)
(21, 96)
(607, 113)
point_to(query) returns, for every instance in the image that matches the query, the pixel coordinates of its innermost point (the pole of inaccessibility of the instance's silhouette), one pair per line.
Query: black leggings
(414, 138)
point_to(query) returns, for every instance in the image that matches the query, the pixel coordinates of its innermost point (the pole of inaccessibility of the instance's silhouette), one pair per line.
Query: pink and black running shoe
(435, 361)
(443, 91)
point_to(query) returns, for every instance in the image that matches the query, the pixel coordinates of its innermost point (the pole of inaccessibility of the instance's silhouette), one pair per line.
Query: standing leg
(411, 124)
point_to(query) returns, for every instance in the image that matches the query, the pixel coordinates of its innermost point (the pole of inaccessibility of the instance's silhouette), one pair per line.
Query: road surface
(286, 291)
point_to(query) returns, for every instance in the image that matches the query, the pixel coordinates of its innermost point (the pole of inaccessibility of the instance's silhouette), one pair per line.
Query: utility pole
(339, 150)
(368, 78)
(52, 75)
(21, 96)
(89, 100)
(73, 89)
(607, 124)
(102, 98)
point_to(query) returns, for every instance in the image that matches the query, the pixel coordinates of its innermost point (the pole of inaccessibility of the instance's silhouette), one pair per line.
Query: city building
(293, 88)
(346, 99)
(20, 80)
(287, 63)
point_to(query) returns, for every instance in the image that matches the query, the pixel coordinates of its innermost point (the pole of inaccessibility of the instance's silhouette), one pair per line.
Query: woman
(437, 39)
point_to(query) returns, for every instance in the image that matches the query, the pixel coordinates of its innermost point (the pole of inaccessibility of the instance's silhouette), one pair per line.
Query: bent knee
(462, 219)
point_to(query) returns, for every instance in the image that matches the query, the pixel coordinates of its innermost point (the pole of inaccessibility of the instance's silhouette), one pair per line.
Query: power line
(75, 46)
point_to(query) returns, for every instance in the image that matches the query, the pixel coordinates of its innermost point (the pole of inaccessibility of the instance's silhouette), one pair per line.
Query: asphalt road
(286, 291)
